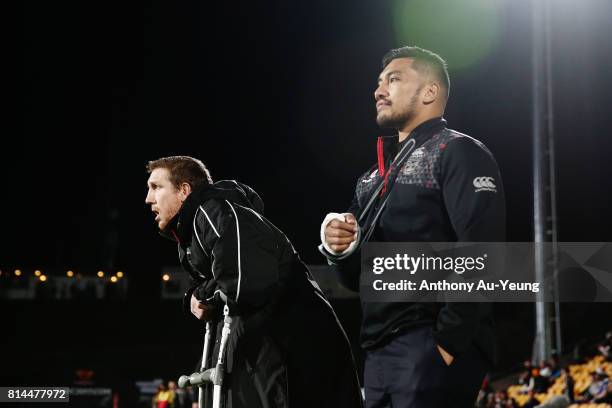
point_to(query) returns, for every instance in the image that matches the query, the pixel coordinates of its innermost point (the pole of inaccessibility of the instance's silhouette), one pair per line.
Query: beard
(397, 120)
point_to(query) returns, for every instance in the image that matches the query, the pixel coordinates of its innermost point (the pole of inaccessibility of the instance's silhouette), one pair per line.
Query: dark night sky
(280, 96)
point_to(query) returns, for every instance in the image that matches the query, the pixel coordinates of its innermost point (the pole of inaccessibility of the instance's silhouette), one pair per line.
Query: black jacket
(286, 341)
(449, 189)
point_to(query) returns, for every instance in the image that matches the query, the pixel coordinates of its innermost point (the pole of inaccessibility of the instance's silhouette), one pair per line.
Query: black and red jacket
(449, 189)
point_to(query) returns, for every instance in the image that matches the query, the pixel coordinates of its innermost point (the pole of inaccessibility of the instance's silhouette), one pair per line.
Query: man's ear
(184, 191)
(432, 92)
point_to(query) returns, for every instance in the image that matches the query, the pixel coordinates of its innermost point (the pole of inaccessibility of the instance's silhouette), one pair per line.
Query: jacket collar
(426, 130)
(178, 228)
(389, 146)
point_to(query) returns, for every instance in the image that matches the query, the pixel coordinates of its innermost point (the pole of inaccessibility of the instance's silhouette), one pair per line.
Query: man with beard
(286, 348)
(431, 184)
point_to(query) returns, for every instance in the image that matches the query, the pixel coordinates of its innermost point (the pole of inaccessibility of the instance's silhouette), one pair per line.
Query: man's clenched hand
(201, 310)
(339, 235)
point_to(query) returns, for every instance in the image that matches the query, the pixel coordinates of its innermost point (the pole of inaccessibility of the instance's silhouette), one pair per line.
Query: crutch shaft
(204, 360)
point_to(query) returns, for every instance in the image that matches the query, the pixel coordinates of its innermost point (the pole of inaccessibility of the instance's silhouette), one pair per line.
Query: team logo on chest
(414, 161)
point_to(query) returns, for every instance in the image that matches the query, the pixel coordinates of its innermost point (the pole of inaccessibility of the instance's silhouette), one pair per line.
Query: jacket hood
(179, 229)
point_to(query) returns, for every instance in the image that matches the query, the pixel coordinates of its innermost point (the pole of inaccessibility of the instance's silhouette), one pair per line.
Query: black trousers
(409, 372)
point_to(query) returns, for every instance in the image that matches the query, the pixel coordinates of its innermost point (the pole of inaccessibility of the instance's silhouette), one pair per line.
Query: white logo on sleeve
(485, 184)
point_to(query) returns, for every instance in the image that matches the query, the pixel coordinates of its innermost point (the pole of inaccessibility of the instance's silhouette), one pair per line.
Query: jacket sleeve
(347, 266)
(474, 198)
(473, 192)
(243, 255)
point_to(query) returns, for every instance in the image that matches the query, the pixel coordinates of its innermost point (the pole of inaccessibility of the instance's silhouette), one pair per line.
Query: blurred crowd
(583, 383)
(170, 396)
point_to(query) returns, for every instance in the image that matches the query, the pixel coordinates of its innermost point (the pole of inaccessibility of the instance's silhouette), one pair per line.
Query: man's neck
(404, 133)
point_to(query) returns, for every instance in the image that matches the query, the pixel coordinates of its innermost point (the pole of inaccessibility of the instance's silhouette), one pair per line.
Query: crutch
(212, 375)
(187, 380)
(203, 365)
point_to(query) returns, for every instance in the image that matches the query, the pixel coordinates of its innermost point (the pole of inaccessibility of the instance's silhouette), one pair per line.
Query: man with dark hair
(430, 184)
(425, 62)
(287, 348)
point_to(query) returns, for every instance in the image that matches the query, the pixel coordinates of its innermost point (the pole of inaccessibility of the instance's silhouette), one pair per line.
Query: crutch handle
(207, 376)
(183, 381)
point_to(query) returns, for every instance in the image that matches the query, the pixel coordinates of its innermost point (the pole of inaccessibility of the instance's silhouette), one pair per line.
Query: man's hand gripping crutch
(213, 375)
